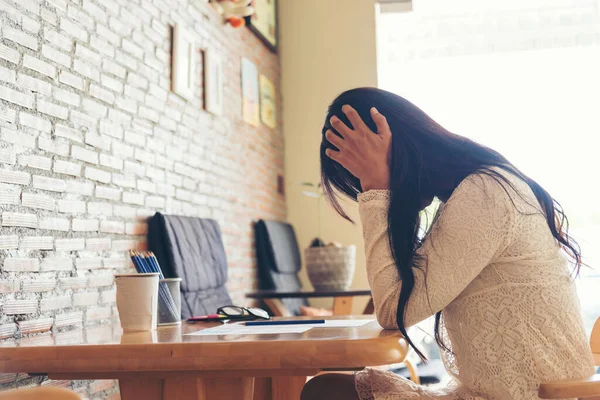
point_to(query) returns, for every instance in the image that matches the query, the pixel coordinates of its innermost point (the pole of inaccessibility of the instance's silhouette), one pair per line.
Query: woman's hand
(364, 153)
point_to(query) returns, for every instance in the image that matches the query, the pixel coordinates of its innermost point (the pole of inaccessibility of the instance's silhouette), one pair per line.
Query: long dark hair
(423, 154)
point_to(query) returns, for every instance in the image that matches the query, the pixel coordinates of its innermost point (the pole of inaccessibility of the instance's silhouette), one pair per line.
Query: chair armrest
(278, 308)
(578, 388)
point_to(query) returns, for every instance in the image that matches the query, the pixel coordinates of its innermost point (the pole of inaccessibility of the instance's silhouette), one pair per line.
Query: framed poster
(182, 63)
(268, 101)
(213, 82)
(250, 94)
(264, 22)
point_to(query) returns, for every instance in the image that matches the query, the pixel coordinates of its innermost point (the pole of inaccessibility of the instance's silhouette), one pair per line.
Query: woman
(492, 268)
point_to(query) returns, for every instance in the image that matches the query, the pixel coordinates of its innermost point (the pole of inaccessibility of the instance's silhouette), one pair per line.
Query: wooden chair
(588, 388)
(40, 393)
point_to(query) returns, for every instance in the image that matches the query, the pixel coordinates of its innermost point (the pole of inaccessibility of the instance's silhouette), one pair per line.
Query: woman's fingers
(354, 118)
(340, 127)
(381, 122)
(334, 155)
(334, 139)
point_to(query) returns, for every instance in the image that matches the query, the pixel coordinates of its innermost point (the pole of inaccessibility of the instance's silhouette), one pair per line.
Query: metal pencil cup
(169, 305)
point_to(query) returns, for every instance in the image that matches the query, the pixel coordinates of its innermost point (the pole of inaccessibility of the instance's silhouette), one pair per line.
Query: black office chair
(279, 260)
(192, 249)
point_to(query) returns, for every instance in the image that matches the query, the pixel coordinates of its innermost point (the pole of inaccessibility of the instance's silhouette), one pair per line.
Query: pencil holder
(169, 306)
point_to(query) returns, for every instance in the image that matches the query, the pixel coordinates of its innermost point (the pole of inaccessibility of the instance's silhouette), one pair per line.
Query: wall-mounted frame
(268, 102)
(250, 93)
(182, 63)
(213, 82)
(264, 22)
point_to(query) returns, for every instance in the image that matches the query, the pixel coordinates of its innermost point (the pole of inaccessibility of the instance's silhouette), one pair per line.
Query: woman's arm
(475, 225)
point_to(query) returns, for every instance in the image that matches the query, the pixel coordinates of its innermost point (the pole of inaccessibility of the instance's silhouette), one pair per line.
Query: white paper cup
(137, 301)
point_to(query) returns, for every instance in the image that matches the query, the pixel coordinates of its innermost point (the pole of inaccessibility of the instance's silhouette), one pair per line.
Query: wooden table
(342, 299)
(165, 364)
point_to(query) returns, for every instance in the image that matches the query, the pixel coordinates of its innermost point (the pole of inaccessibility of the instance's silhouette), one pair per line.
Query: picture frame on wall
(213, 82)
(182, 63)
(250, 93)
(264, 22)
(268, 102)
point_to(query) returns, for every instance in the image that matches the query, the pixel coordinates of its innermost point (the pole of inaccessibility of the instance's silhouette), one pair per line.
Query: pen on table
(293, 322)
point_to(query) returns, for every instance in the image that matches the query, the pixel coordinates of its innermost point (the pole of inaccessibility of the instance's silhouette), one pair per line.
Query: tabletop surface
(107, 348)
(286, 294)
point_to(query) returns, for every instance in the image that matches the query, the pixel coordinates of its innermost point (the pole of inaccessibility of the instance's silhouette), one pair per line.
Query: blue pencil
(153, 265)
(293, 322)
(144, 265)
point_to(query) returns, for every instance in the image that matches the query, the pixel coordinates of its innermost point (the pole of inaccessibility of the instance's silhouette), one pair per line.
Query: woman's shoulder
(497, 185)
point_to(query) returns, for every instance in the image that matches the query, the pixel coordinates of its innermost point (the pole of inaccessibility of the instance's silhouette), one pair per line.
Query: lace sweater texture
(510, 310)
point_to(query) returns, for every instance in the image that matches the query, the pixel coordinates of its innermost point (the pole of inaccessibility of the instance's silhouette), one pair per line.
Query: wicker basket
(330, 268)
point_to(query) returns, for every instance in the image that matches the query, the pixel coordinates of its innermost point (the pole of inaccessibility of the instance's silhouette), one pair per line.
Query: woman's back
(518, 323)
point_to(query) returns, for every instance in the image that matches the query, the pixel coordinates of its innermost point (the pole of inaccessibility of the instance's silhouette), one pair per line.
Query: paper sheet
(232, 329)
(238, 329)
(343, 323)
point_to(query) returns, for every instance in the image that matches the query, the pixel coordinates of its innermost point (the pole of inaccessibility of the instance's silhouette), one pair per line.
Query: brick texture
(93, 142)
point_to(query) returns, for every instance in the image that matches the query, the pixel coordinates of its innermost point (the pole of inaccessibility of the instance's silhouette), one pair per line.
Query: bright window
(539, 107)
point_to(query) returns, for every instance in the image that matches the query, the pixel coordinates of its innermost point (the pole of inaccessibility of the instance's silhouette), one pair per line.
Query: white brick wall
(57, 147)
(55, 224)
(15, 97)
(20, 37)
(40, 66)
(37, 123)
(19, 219)
(52, 109)
(85, 225)
(71, 80)
(71, 134)
(39, 285)
(9, 54)
(69, 244)
(21, 264)
(67, 168)
(34, 84)
(36, 243)
(40, 201)
(93, 142)
(60, 41)
(57, 264)
(34, 161)
(49, 184)
(98, 244)
(71, 206)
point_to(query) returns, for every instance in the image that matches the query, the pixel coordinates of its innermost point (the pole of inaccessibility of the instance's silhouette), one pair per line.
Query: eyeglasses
(243, 313)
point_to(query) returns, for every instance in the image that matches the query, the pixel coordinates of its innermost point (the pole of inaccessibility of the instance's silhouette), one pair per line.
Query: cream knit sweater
(510, 311)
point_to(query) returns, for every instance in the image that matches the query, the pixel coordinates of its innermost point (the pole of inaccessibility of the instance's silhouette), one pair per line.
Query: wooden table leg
(262, 389)
(181, 388)
(342, 305)
(287, 387)
(141, 389)
(224, 389)
(187, 389)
